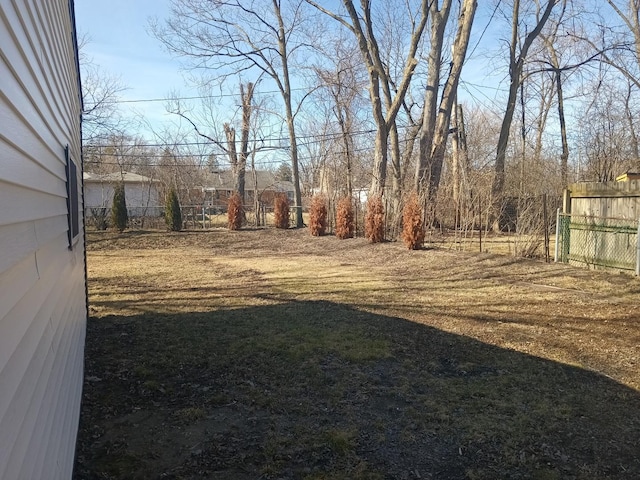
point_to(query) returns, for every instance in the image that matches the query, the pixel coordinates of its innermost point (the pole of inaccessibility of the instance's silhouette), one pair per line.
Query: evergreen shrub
(172, 213)
(119, 216)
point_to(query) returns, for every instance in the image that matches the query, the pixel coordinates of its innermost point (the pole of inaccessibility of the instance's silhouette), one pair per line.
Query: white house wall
(97, 194)
(42, 281)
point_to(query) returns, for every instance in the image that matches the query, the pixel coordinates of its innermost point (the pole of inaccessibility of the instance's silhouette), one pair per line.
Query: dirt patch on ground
(272, 354)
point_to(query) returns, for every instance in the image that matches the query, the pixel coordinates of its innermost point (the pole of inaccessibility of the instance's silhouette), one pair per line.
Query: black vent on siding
(72, 199)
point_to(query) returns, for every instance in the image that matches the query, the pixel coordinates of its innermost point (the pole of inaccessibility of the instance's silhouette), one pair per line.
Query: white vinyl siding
(136, 194)
(42, 282)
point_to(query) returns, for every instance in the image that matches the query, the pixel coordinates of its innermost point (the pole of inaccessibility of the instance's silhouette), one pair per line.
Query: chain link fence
(193, 217)
(598, 242)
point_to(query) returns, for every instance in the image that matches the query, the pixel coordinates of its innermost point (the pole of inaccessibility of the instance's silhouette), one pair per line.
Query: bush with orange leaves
(412, 226)
(235, 212)
(345, 225)
(281, 211)
(374, 220)
(318, 216)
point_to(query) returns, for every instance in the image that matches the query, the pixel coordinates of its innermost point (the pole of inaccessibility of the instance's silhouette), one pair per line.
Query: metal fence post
(557, 249)
(638, 251)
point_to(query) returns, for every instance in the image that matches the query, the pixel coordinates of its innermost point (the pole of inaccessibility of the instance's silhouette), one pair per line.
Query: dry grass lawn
(273, 354)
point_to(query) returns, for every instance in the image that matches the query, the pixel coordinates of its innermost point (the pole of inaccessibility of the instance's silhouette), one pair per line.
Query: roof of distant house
(116, 177)
(626, 176)
(266, 180)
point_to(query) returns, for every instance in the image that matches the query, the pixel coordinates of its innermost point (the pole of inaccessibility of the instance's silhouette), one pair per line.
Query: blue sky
(121, 45)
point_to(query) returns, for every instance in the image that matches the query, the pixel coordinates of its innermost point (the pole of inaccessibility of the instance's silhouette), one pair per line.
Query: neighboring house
(220, 187)
(43, 308)
(628, 176)
(140, 192)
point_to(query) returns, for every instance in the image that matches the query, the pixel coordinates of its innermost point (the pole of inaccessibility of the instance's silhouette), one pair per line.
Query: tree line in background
(380, 100)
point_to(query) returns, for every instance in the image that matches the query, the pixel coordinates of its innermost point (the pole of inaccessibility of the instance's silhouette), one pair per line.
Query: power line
(177, 156)
(194, 97)
(495, 10)
(283, 148)
(315, 137)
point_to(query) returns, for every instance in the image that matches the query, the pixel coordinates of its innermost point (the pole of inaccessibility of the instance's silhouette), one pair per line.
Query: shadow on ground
(316, 390)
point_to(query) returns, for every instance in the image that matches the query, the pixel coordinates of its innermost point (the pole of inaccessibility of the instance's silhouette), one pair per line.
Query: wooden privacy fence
(600, 226)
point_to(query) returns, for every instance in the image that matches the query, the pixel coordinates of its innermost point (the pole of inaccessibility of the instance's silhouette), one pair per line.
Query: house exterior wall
(42, 271)
(100, 194)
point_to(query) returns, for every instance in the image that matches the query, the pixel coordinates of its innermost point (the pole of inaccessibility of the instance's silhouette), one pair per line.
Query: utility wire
(176, 156)
(315, 137)
(284, 148)
(495, 10)
(194, 97)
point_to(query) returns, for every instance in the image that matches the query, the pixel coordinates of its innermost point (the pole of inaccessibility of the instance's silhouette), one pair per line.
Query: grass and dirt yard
(271, 354)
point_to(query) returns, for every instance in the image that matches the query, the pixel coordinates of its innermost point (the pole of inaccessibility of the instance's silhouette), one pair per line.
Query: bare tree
(435, 125)
(225, 38)
(607, 142)
(117, 153)
(342, 78)
(101, 118)
(386, 96)
(237, 159)
(630, 16)
(554, 60)
(518, 49)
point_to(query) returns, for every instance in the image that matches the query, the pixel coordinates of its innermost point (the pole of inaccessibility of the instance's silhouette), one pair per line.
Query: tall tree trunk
(439, 20)
(443, 119)
(564, 156)
(463, 161)
(635, 151)
(555, 62)
(379, 83)
(396, 180)
(455, 162)
(516, 64)
(411, 136)
(523, 141)
(345, 127)
(256, 194)
(546, 101)
(379, 162)
(344, 121)
(246, 97)
(286, 94)
(232, 153)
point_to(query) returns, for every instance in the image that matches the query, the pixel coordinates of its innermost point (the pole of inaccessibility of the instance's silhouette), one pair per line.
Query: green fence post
(557, 249)
(638, 251)
(566, 237)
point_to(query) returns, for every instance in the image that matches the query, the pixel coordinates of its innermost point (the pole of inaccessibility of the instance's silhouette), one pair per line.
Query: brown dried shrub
(235, 212)
(281, 211)
(374, 220)
(318, 216)
(345, 224)
(412, 226)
